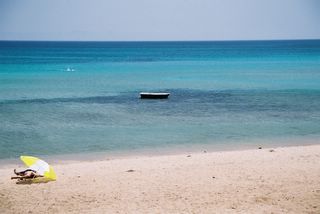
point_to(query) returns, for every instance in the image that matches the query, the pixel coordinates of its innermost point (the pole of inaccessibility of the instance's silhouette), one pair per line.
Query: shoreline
(170, 150)
(285, 180)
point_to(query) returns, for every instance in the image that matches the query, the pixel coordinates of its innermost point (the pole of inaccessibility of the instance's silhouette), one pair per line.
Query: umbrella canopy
(40, 166)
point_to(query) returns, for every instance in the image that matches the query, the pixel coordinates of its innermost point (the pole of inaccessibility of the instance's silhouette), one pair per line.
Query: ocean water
(83, 97)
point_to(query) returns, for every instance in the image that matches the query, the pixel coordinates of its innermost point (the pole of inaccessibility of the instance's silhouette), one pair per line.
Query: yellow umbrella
(40, 166)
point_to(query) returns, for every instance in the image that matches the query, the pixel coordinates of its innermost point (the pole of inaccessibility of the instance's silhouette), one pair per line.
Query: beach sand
(286, 180)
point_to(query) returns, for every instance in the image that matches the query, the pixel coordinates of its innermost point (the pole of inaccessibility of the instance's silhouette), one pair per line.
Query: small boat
(157, 95)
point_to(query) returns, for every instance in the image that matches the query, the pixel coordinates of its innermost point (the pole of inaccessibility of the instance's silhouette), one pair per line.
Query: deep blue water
(78, 97)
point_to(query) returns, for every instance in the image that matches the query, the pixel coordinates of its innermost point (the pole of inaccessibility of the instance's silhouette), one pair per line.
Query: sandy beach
(282, 180)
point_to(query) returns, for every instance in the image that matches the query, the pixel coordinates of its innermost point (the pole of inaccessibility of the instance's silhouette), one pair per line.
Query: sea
(60, 98)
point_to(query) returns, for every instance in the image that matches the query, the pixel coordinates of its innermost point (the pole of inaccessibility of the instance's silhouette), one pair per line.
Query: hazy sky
(159, 19)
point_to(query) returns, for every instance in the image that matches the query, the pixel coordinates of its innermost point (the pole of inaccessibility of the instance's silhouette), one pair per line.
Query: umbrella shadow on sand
(32, 181)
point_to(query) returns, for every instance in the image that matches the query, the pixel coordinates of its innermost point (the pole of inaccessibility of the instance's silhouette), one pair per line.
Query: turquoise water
(79, 97)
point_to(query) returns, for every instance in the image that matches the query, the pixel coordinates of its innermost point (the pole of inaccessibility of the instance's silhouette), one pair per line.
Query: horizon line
(227, 40)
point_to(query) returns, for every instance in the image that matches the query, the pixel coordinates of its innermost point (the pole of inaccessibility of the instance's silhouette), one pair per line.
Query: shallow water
(80, 97)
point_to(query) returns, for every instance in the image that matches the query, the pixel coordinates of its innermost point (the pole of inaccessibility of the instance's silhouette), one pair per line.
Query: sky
(153, 20)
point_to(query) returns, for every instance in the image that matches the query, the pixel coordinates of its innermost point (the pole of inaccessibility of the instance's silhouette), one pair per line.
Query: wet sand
(285, 180)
